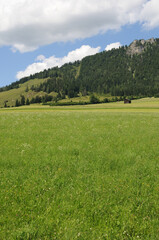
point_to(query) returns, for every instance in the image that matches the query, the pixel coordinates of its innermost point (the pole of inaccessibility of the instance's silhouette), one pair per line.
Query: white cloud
(113, 45)
(27, 24)
(150, 14)
(45, 63)
(40, 58)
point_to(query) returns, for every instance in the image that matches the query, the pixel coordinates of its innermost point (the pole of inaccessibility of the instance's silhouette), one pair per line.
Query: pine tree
(22, 101)
(5, 104)
(17, 103)
(27, 102)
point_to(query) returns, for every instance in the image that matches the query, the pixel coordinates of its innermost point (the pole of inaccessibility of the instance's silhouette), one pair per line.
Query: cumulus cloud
(113, 45)
(45, 63)
(25, 24)
(150, 14)
(40, 58)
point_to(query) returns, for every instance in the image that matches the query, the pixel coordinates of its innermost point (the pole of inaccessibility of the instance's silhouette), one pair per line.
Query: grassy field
(14, 94)
(84, 172)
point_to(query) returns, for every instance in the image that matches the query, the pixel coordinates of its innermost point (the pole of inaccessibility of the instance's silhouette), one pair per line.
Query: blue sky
(67, 32)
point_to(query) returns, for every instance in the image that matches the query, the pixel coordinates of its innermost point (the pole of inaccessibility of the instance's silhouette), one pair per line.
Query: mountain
(129, 70)
(138, 46)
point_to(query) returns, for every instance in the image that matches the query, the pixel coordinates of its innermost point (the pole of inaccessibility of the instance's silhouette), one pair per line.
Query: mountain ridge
(138, 46)
(129, 70)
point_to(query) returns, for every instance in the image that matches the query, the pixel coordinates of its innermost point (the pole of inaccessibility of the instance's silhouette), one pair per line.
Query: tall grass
(79, 175)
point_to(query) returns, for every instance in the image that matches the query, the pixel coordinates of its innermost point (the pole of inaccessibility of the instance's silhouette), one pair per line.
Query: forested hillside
(132, 70)
(120, 73)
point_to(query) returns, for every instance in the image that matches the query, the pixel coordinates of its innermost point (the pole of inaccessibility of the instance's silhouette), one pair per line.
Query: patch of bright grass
(14, 94)
(79, 175)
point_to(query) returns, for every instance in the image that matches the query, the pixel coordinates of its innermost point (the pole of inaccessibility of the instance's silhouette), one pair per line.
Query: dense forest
(118, 72)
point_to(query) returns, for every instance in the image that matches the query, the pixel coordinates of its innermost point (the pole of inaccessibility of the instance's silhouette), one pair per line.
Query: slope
(129, 70)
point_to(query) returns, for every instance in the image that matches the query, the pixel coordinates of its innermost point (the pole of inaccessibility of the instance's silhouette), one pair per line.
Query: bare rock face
(138, 46)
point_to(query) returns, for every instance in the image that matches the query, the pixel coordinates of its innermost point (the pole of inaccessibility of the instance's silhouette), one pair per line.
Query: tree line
(38, 99)
(113, 72)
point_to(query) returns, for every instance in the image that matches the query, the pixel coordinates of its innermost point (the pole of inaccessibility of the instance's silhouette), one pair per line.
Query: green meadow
(14, 94)
(85, 172)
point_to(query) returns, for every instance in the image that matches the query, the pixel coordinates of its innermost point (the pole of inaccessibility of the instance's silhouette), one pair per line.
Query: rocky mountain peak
(138, 46)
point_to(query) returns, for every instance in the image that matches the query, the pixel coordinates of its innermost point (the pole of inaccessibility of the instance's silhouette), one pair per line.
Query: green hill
(129, 70)
(11, 95)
